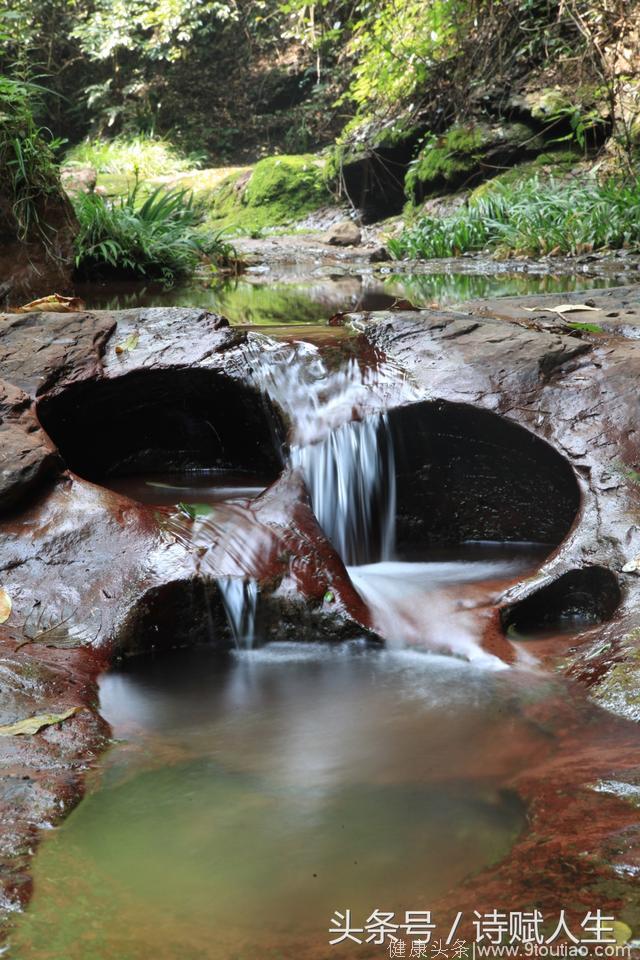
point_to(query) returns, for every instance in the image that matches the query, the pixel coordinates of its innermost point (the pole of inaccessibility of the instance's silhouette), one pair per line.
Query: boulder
(78, 179)
(346, 233)
(90, 571)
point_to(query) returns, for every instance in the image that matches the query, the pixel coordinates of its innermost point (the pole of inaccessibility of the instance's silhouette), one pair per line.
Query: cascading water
(240, 600)
(341, 441)
(351, 480)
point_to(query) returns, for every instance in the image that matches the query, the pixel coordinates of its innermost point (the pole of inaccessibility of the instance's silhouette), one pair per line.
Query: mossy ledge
(466, 154)
(278, 191)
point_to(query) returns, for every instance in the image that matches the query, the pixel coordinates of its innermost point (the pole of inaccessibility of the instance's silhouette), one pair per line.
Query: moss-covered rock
(367, 165)
(581, 114)
(556, 163)
(277, 191)
(466, 154)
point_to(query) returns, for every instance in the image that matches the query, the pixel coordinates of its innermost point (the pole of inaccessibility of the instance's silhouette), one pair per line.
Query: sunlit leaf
(573, 308)
(5, 605)
(54, 303)
(31, 725)
(130, 343)
(622, 932)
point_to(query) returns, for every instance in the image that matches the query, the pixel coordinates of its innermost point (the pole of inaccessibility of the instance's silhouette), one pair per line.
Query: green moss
(279, 191)
(549, 103)
(447, 162)
(619, 690)
(552, 163)
(444, 161)
(201, 183)
(295, 183)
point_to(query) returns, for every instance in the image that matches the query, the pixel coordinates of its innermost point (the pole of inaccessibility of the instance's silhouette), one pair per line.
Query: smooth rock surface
(343, 234)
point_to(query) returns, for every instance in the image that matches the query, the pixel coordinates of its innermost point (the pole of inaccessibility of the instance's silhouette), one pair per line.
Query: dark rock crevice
(162, 421)
(467, 474)
(577, 600)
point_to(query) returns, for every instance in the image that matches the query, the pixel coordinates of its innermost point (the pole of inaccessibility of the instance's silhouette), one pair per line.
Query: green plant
(153, 238)
(151, 156)
(218, 248)
(28, 172)
(534, 218)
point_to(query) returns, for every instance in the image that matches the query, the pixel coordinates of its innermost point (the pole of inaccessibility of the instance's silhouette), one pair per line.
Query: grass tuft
(535, 218)
(154, 237)
(149, 156)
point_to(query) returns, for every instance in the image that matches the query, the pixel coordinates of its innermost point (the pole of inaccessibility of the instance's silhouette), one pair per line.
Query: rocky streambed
(510, 421)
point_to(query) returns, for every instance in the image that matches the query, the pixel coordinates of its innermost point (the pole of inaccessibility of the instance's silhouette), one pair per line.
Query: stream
(247, 797)
(310, 297)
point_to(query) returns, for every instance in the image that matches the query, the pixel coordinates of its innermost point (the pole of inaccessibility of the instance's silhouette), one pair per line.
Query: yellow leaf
(622, 932)
(563, 308)
(5, 605)
(32, 725)
(129, 344)
(573, 308)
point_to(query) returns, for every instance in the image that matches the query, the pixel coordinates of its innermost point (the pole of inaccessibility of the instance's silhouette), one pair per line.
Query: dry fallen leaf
(33, 725)
(563, 308)
(573, 308)
(54, 303)
(5, 605)
(632, 566)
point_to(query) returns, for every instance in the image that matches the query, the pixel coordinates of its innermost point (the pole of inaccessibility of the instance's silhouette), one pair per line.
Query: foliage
(396, 43)
(534, 218)
(216, 247)
(27, 167)
(149, 156)
(154, 238)
(171, 66)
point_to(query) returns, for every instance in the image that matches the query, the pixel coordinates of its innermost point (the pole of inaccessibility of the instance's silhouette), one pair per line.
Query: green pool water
(245, 800)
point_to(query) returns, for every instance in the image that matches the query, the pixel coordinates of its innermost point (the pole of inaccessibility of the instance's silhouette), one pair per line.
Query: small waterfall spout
(240, 600)
(350, 475)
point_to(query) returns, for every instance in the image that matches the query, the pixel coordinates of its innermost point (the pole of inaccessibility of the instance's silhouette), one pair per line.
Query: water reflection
(313, 299)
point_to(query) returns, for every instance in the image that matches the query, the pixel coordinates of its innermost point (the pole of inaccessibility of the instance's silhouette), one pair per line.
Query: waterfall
(340, 439)
(350, 475)
(240, 600)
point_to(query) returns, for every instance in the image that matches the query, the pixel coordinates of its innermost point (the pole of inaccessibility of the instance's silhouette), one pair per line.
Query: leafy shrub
(28, 173)
(149, 156)
(535, 218)
(217, 248)
(154, 238)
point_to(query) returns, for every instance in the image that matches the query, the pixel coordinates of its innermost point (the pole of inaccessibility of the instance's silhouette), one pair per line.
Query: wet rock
(343, 234)
(379, 254)
(26, 455)
(91, 572)
(575, 394)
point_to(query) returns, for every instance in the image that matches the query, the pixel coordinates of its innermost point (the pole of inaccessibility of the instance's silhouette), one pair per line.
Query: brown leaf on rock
(54, 303)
